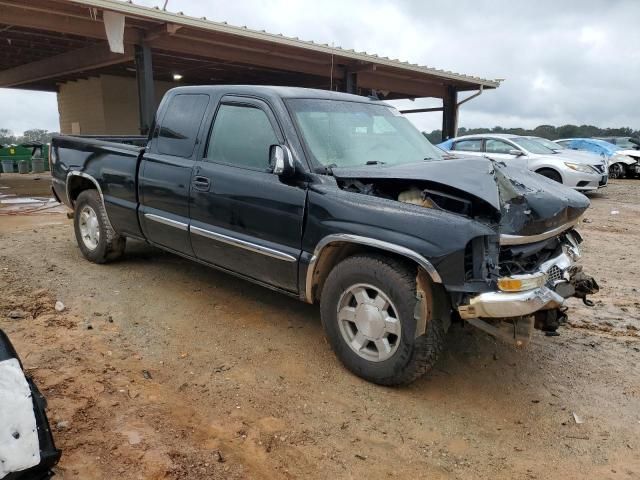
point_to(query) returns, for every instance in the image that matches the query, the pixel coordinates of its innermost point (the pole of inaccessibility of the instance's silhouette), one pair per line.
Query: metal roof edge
(131, 9)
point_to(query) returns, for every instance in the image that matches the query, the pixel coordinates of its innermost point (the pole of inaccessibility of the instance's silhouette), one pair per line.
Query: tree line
(545, 131)
(7, 137)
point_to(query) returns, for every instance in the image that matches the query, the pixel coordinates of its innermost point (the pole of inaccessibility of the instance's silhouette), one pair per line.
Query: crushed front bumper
(506, 305)
(564, 279)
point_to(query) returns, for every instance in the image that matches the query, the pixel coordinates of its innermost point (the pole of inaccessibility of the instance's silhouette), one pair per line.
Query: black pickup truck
(335, 199)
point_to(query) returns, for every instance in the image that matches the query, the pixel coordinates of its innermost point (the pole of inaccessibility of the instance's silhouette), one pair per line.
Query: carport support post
(351, 82)
(450, 114)
(146, 94)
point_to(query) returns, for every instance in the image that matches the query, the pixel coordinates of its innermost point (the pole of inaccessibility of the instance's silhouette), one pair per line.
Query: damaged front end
(534, 282)
(511, 282)
(27, 450)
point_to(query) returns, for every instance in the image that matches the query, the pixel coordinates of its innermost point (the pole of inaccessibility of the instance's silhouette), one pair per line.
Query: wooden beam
(422, 110)
(88, 58)
(18, 16)
(269, 58)
(409, 87)
(166, 29)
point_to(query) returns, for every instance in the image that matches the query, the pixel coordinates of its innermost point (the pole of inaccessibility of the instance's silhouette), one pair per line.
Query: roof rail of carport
(155, 13)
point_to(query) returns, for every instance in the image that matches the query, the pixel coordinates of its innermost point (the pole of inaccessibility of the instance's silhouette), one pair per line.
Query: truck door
(244, 218)
(165, 172)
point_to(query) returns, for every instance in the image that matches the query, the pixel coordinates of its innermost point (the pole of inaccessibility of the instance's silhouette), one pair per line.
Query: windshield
(347, 134)
(532, 146)
(624, 144)
(606, 145)
(549, 144)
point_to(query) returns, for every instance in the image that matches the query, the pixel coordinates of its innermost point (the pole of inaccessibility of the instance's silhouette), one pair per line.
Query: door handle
(201, 183)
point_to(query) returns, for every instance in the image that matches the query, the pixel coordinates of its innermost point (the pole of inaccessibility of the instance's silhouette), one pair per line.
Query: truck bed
(110, 162)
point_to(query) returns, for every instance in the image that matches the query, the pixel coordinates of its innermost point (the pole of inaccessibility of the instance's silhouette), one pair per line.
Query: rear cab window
(180, 124)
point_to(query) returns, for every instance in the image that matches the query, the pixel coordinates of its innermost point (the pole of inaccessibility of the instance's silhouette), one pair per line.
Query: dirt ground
(162, 368)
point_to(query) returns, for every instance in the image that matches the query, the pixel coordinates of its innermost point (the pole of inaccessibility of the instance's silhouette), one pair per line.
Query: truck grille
(553, 274)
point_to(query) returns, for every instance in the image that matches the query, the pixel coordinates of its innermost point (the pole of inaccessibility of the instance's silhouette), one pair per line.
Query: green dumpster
(10, 155)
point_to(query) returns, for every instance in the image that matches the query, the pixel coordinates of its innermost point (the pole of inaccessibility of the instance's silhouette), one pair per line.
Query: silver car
(581, 172)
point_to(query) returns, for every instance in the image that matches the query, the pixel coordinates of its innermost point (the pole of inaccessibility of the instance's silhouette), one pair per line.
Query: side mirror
(516, 153)
(281, 160)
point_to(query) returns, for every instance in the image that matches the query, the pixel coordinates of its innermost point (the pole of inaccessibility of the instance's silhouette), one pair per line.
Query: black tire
(110, 245)
(550, 174)
(413, 357)
(617, 170)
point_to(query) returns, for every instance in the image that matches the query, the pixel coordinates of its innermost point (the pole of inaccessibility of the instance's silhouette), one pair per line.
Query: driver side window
(241, 137)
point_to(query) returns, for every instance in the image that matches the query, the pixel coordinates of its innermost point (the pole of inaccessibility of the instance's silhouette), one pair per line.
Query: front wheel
(368, 308)
(97, 240)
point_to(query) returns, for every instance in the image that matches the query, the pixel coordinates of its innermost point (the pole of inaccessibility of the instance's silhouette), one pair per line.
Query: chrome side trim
(167, 221)
(525, 239)
(252, 247)
(371, 242)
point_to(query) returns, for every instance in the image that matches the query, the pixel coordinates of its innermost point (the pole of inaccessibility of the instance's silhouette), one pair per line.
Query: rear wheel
(98, 241)
(550, 174)
(368, 312)
(617, 170)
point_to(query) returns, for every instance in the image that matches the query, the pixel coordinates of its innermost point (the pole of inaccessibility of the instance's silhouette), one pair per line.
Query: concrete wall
(105, 105)
(80, 102)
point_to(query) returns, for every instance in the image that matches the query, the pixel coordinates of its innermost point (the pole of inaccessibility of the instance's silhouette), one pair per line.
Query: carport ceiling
(47, 42)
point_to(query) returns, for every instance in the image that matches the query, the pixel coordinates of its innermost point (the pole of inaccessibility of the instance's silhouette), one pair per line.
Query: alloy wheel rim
(369, 322)
(89, 227)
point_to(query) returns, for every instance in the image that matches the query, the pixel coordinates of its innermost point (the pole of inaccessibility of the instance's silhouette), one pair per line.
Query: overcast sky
(562, 61)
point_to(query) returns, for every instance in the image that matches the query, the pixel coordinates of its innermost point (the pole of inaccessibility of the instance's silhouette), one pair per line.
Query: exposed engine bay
(447, 199)
(541, 264)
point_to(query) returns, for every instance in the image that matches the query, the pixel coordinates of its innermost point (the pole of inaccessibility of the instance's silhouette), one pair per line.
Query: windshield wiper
(374, 162)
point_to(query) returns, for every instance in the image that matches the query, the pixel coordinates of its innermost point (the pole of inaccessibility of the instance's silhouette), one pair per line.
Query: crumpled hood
(528, 203)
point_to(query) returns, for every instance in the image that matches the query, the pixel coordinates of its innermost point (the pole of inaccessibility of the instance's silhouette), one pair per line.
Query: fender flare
(76, 173)
(370, 242)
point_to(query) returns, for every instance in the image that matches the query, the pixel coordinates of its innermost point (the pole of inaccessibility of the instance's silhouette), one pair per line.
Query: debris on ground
(577, 418)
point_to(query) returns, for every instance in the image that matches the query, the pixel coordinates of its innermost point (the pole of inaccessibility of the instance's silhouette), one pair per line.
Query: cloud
(563, 61)
(22, 110)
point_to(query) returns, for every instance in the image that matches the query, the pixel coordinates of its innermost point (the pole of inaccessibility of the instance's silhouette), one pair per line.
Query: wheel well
(337, 251)
(553, 171)
(76, 185)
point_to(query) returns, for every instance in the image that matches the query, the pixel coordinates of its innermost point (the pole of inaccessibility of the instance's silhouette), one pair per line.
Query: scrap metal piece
(518, 332)
(27, 449)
